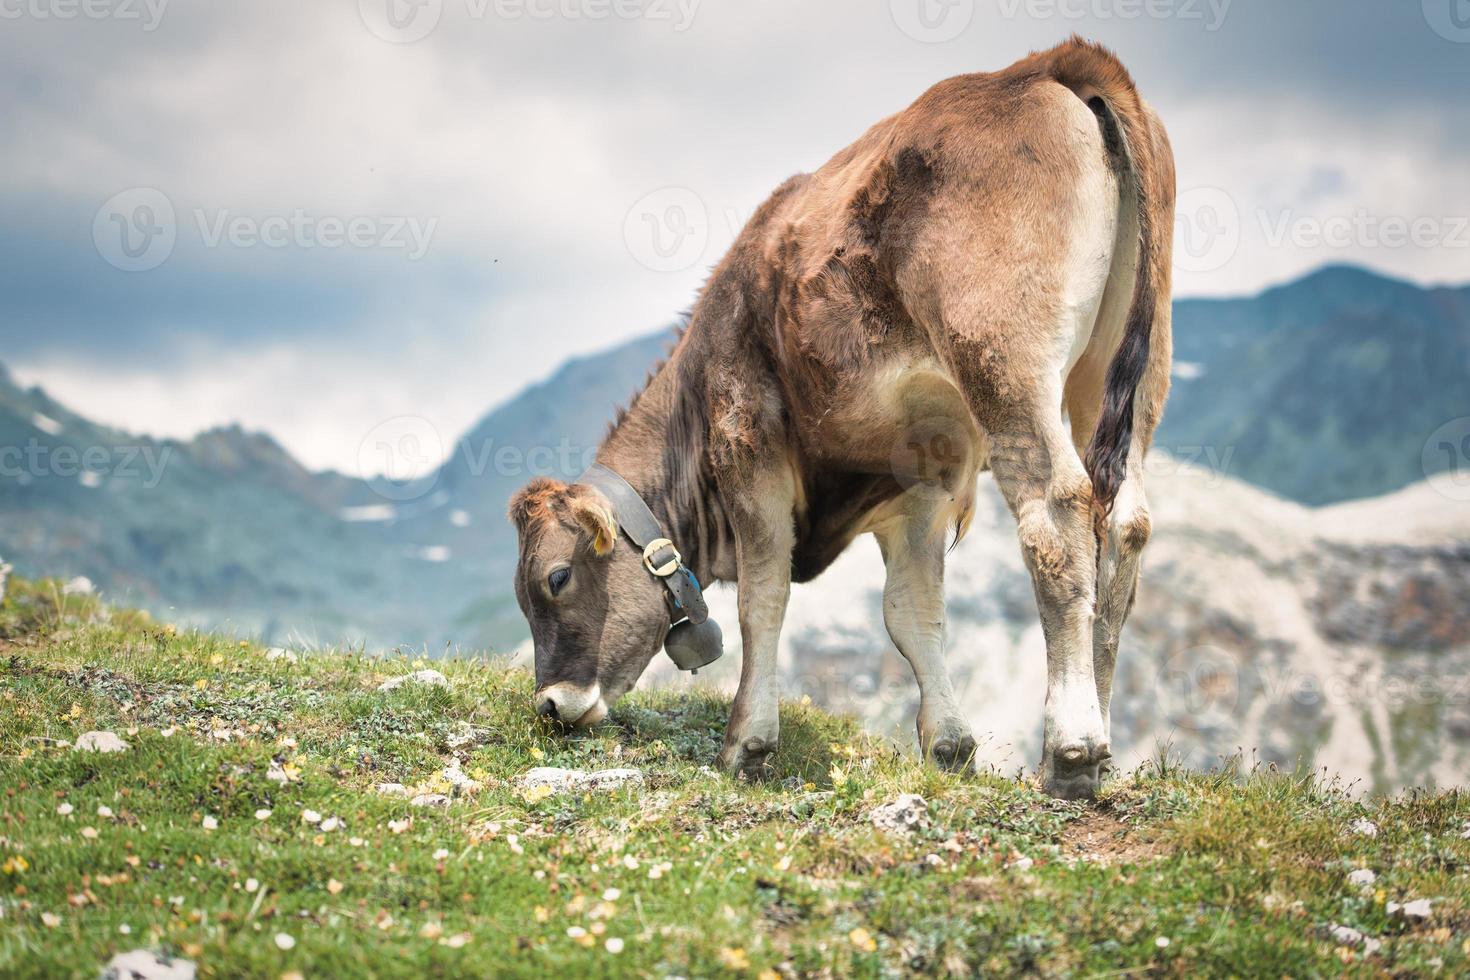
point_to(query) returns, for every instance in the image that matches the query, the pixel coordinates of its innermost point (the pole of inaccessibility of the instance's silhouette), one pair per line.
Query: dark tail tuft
(1100, 79)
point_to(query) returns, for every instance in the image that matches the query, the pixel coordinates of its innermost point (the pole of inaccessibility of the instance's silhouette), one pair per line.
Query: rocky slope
(1336, 637)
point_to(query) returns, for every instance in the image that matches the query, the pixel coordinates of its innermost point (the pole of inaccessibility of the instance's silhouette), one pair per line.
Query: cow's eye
(558, 579)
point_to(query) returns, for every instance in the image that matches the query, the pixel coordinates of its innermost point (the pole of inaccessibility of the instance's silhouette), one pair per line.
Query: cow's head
(597, 617)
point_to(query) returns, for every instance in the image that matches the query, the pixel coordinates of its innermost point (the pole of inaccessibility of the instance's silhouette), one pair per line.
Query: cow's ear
(595, 515)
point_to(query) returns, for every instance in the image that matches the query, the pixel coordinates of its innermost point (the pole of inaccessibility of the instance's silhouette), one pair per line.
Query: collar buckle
(667, 568)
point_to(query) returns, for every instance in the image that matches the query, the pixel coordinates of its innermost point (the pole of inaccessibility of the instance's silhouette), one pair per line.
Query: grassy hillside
(243, 829)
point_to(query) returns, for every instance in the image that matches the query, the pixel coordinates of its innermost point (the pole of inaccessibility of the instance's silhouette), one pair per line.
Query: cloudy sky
(313, 217)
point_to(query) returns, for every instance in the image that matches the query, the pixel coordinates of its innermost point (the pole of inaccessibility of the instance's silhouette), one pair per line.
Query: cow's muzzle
(571, 705)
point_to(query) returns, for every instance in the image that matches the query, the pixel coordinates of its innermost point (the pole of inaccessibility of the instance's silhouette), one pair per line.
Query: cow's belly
(909, 443)
(908, 419)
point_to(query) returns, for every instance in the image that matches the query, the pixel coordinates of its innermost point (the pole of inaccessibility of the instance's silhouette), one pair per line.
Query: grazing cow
(979, 282)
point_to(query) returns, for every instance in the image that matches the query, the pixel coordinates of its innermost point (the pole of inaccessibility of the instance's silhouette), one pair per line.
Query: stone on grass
(1364, 828)
(1414, 912)
(577, 780)
(429, 799)
(610, 779)
(430, 677)
(903, 815)
(1356, 938)
(145, 964)
(1363, 877)
(280, 653)
(464, 734)
(459, 779)
(100, 742)
(392, 789)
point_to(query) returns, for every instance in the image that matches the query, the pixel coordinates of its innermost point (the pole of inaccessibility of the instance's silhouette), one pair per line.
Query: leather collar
(660, 557)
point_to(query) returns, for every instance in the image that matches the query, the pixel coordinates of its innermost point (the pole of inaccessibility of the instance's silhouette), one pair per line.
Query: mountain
(224, 528)
(1321, 390)
(1326, 389)
(227, 528)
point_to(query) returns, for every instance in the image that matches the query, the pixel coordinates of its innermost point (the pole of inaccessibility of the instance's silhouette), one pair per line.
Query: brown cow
(981, 281)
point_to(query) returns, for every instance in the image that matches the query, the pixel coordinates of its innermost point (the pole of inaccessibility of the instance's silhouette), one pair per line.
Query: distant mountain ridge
(1325, 389)
(1320, 390)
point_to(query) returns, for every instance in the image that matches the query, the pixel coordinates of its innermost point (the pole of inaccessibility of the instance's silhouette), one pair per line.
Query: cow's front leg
(761, 517)
(913, 611)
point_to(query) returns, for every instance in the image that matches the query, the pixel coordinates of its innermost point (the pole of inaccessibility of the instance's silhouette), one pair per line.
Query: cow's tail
(1100, 80)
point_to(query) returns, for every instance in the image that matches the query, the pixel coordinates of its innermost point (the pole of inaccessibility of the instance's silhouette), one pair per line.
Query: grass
(169, 845)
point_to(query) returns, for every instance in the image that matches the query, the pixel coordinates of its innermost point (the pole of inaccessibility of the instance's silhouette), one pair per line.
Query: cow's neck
(639, 449)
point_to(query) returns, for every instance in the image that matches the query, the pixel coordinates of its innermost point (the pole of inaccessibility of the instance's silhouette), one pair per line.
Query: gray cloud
(526, 140)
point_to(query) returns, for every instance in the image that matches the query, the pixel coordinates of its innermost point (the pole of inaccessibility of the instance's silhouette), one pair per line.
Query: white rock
(279, 653)
(610, 779)
(1348, 936)
(429, 799)
(100, 742)
(1416, 911)
(1022, 864)
(902, 816)
(464, 734)
(560, 780)
(392, 789)
(430, 677)
(459, 779)
(578, 780)
(1364, 828)
(144, 964)
(1363, 877)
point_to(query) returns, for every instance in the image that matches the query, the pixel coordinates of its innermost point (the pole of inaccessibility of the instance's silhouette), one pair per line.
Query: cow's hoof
(955, 754)
(1075, 771)
(750, 757)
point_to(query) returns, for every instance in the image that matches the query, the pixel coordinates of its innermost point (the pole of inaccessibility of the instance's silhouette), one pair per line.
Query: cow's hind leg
(913, 610)
(1127, 533)
(1043, 480)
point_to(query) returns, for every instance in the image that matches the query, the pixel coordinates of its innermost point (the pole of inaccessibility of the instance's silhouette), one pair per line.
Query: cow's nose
(546, 705)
